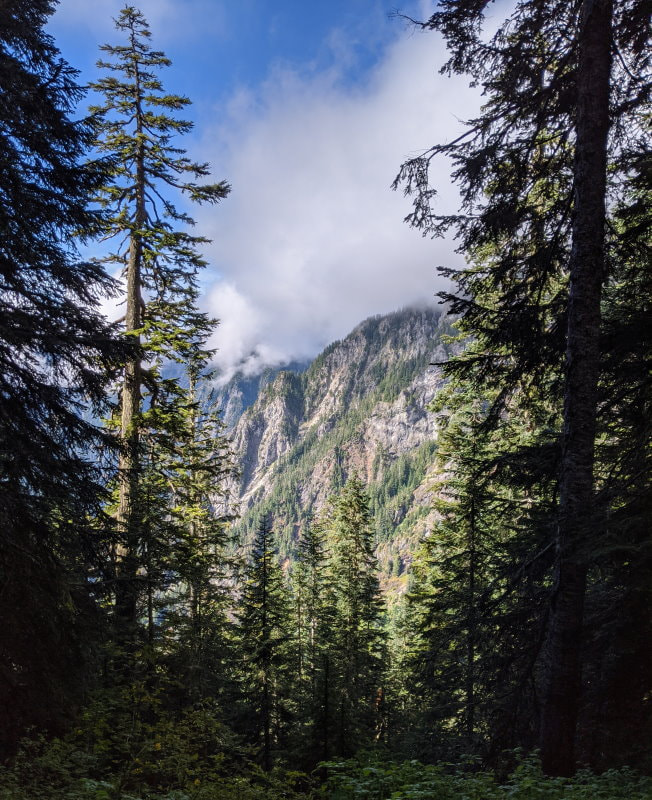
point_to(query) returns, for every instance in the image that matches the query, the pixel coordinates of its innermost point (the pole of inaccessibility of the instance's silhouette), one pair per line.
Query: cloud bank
(312, 240)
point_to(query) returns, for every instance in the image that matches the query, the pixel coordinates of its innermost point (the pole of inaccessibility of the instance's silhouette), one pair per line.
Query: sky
(308, 110)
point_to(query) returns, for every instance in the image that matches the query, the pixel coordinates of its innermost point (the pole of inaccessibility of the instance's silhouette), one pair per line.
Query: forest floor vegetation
(64, 770)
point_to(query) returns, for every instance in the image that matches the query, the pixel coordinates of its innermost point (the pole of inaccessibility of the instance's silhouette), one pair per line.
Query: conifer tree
(478, 599)
(55, 352)
(357, 657)
(449, 579)
(188, 564)
(53, 341)
(267, 649)
(533, 170)
(315, 623)
(160, 262)
(617, 711)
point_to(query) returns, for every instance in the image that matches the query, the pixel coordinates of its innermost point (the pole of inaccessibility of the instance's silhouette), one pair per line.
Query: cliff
(362, 405)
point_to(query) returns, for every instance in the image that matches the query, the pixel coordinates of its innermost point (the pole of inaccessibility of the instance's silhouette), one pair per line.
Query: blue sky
(308, 109)
(218, 45)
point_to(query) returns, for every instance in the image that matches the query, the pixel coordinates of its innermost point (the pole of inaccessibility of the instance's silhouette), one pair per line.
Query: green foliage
(536, 177)
(266, 650)
(56, 350)
(501, 468)
(170, 534)
(358, 653)
(480, 584)
(620, 653)
(59, 771)
(55, 346)
(313, 618)
(189, 705)
(390, 496)
(339, 615)
(191, 759)
(373, 779)
(62, 771)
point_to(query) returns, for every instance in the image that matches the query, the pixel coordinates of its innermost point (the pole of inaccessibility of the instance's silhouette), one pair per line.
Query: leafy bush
(59, 770)
(191, 756)
(411, 780)
(62, 771)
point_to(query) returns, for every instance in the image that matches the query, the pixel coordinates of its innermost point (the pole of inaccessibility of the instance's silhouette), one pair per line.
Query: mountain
(241, 391)
(360, 406)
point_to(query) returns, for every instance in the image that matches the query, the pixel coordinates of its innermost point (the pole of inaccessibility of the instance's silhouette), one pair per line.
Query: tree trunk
(471, 633)
(129, 460)
(267, 726)
(129, 464)
(327, 710)
(587, 266)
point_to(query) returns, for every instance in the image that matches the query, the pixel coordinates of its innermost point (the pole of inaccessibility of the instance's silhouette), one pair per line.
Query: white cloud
(311, 240)
(169, 20)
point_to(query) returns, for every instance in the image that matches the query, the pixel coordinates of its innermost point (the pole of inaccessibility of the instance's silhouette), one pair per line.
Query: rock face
(362, 405)
(236, 396)
(270, 428)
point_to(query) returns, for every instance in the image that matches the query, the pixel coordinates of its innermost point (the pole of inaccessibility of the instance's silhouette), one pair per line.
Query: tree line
(544, 552)
(125, 609)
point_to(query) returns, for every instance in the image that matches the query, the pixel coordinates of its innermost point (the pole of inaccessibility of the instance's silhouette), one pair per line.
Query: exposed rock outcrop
(362, 405)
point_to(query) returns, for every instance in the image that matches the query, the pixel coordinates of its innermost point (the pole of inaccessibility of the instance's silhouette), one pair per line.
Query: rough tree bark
(128, 467)
(587, 269)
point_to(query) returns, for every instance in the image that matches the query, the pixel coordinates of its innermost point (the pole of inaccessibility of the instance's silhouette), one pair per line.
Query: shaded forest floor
(63, 770)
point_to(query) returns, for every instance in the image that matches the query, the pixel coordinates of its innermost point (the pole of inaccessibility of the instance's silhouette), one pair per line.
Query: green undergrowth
(65, 771)
(191, 756)
(60, 771)
(411, 780)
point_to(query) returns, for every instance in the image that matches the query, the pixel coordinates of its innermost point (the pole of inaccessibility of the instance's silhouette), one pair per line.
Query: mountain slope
(241, 392)
(360, 406)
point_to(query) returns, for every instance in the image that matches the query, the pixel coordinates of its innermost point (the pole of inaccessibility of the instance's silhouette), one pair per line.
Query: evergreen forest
(159, 643)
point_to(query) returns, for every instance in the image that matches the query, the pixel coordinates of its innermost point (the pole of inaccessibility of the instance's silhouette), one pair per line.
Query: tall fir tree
(267, 647)
(314, 617)
(186, 542)
(160, 262)
(479, 593)
(449, 577)
(195, 596)
(560, 117)
(617, 711)
(55, 352)
(357, 657)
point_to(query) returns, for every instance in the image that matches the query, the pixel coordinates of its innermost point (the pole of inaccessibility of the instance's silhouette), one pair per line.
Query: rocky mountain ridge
(361, 405)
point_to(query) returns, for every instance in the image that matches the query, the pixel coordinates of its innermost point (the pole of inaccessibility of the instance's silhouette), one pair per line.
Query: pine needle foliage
(160, 261)
(267, 649)
(555, 150)
(56, 355)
